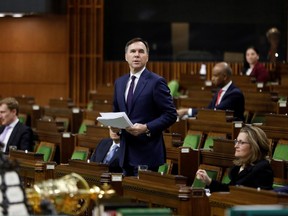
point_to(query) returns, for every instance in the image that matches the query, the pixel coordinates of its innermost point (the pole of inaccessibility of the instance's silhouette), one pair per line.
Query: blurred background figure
(12, 131)
(252, 66)
(273, 36)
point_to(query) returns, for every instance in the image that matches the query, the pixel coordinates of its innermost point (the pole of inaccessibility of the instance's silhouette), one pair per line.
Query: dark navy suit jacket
(21, 136)
(101, 151)
(153, 105)
(233, 99)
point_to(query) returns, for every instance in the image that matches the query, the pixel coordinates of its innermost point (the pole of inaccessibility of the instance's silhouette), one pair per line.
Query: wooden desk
(74, 115)
(94, 134)
(95, 174)
(275, 126)
(172, 141)
(260, 102)
(34, 112)
(91, 172)
(50, 131)
(222, 154)
(32, 167)
(215, 121)
(220, 201)
(154, 189)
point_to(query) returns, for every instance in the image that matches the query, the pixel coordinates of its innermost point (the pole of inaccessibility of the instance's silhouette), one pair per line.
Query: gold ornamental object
(69, 194)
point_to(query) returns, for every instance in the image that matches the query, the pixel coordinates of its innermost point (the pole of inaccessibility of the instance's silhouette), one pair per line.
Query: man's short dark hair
(11, 103)
(137, 39)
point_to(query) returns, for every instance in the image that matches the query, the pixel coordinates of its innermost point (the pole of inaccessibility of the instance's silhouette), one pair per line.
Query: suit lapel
(225, 93)
(106, 149)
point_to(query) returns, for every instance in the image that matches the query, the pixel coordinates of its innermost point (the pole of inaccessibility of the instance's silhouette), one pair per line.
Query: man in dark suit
(229, 97)
(107, 152)
(150, 109)
(13, 132)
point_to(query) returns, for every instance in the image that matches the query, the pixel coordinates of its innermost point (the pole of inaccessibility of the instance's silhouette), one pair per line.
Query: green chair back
(79, 155)
(225, 178)
(155, 211)
(90, 105)
(174, 86)
(163, 168)
(258, 118)
(22, 118)
(46, 150)
(208, 143)
(82, 129)
(192, 141)
(281, 151)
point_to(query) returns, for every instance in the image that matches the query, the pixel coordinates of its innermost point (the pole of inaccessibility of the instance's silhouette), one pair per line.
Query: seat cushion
(79, 155)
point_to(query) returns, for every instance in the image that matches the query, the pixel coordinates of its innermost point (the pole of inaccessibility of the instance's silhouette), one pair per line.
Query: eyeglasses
(240, 142)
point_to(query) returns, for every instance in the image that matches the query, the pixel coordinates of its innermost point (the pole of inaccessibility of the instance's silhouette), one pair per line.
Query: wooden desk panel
(32, 167)
(91, 172)
(172, 196)
(220, 201)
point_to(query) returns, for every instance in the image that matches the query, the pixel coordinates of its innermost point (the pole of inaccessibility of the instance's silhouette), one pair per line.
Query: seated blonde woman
(251, 166)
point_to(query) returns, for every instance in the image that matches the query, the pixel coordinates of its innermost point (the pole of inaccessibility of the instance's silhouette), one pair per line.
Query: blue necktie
(110, 154)
(130, 93)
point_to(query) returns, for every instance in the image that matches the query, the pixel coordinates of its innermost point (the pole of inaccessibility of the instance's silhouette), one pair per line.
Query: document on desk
(115, 119)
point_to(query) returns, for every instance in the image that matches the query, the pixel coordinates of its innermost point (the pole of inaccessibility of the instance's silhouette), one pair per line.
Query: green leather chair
(48, 149)
(80, 153)
(213, 172)
(192, 139)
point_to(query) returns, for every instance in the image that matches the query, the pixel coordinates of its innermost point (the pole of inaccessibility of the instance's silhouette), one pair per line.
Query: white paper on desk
(115, 119)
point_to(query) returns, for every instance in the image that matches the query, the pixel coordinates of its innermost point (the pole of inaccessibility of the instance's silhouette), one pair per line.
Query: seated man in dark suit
(107, 152)
(12, 131)
(229, 97)
(283, 189)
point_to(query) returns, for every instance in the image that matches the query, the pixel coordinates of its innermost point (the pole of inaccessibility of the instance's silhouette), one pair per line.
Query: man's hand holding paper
(115, 120)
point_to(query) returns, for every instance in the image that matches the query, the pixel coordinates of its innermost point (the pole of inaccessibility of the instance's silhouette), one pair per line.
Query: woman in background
(252, 66)
(252, 164)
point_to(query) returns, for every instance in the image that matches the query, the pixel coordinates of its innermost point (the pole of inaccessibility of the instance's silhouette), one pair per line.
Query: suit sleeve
(26, 140)
(164, 102)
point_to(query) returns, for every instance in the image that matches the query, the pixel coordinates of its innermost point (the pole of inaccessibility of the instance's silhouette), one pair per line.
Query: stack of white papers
(115, 119)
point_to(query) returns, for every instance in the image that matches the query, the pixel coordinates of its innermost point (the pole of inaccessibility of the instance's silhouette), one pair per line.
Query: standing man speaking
(146, 99)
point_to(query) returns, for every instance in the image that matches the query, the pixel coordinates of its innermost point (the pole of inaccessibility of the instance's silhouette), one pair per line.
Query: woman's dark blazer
(259, 175)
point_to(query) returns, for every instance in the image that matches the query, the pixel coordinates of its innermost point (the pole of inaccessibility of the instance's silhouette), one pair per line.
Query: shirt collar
(227, 86)
(114, 143)
(12, 125)
(138, 74)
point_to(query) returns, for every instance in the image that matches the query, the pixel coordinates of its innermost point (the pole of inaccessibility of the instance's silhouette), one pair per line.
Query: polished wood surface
(220, 201)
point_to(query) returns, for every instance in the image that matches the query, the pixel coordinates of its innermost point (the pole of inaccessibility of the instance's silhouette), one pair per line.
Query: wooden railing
(169, 70)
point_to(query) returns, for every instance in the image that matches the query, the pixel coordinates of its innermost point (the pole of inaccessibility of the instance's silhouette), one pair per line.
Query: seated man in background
(106, 152)
(229, 97)
(12, 131)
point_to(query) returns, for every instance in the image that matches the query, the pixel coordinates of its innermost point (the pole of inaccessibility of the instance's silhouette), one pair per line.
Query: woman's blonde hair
(259, 144)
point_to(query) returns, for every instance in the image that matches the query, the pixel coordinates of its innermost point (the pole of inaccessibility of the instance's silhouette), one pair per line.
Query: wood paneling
(85, 21)
(34, 57)
(169, 70)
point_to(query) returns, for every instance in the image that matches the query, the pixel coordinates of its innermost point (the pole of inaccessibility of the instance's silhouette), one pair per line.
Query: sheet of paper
(115, 119)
